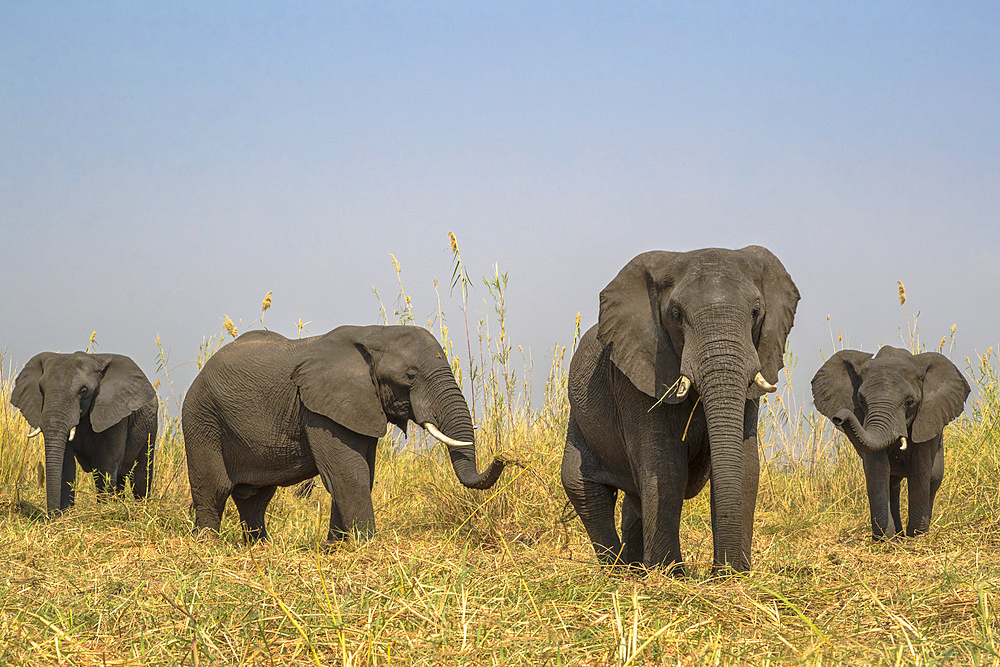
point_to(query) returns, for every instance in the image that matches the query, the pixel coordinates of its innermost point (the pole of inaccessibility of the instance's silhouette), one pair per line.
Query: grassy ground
(504, 576)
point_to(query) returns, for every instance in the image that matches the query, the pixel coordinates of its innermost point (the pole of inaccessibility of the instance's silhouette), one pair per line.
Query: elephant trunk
(876, 437)
(456, 423)
(722, 379)
(56, 430)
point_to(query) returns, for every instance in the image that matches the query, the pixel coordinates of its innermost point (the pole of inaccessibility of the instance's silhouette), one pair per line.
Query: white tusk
(902, 444)
(683, 384)
(764, 384)
(433, 430)
(72, 434)
(34, 432)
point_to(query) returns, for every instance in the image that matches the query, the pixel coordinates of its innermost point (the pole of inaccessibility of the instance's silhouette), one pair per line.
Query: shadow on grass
(23, 508)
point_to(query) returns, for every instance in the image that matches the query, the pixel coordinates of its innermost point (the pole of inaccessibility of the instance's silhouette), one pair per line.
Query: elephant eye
(676, 315)
(756, 310)
(83, 391)
(411, 374)
(910, 402)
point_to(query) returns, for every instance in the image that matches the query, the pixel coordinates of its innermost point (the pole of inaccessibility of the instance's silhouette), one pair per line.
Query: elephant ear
(629, 322)
(945, 391)
(781, 298)
(124, 389)
(836, 383)
(27, 394)
(335, 380)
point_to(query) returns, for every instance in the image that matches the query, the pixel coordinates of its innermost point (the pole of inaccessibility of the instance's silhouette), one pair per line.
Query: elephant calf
(894, 406)
(99, 407)
(266, 411)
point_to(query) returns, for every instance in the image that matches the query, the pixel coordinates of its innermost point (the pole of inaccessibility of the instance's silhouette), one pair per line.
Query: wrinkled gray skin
(717, 316)
(875, 401)
(113, 407)
(266, 411)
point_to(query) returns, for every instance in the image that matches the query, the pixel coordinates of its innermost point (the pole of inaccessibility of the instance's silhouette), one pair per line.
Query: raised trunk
(873, 440)
(456, 423)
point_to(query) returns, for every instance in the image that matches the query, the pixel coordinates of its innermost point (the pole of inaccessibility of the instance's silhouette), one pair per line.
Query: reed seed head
(230, 327)
(452, 242)
(902, 292)
(93, 337)
(266, 303)
(156, 384)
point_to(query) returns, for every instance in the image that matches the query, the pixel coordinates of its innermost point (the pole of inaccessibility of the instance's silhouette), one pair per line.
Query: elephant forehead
(889, 375)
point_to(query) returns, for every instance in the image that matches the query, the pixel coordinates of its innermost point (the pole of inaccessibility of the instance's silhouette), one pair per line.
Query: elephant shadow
(23, 508)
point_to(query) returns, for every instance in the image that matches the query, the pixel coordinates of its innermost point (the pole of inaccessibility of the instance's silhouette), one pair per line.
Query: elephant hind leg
(593, 501)
(252, 505)
(345, 462)
(210, 483)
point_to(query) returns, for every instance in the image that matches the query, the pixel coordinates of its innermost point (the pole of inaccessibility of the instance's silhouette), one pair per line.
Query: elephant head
(58, 392)
(365, 377)
(885, 398)
(708, 323)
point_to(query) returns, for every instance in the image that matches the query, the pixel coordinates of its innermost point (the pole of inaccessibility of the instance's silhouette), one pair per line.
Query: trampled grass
(505, 576)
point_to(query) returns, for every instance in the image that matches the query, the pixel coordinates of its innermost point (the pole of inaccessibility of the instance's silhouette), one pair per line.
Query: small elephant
(267, 411)
(664, 394)
(893, 407)
(102, 409)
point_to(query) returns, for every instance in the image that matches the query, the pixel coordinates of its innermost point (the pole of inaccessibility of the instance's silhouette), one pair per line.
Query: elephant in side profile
(893, 407)
(664, 395)
(98, 408)
(267, 411)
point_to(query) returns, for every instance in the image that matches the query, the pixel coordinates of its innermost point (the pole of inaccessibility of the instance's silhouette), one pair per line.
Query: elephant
(98, 408)
(267, 411)
(664, 393)
(893, 407)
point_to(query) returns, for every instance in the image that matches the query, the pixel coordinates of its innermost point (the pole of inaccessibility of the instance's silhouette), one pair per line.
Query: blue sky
(164, 164)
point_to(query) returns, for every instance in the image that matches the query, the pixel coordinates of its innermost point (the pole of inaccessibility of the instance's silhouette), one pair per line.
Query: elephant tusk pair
(683, 384)
(34, 432)
(72, 434)
(902, 444)
(764, 384)
(433, 430)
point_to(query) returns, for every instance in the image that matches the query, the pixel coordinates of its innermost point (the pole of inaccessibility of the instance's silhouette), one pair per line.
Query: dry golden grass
(504, 576)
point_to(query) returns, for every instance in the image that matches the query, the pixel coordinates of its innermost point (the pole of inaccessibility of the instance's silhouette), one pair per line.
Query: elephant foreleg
(894, 488)
(342, 458)
(142, 471)
(632, 544)
(67, 496)
(751, 480)
(876, 465)
(922, 485)
(663, 479)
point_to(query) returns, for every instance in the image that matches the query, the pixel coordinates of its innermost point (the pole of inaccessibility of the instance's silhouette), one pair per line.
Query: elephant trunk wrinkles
(456, 422)
(722, 381)
(876, 437)
(55, 429)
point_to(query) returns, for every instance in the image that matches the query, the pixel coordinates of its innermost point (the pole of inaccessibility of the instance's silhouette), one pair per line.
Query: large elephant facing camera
(893, 407)
(664, 395)
(267, 411)
(98, 409)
